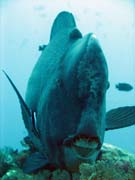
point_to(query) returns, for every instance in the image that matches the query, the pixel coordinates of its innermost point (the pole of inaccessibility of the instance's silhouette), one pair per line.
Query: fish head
(92, 76)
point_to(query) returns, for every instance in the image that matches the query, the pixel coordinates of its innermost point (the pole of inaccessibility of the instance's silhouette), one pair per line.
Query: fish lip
(83, 152)
(69, 141)
(82, 145)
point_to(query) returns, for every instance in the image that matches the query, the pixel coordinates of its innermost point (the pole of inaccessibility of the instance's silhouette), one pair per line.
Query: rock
(114, 164)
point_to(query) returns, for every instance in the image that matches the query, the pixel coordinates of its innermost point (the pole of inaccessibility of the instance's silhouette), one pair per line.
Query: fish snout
(80, 149)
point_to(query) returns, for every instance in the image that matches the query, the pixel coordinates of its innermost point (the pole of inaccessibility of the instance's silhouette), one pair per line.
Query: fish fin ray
(35, 162)
(24, 108)
(120, 117)
(34, 127)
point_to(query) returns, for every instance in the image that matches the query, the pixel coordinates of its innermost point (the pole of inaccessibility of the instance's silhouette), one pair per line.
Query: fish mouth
(83, 146)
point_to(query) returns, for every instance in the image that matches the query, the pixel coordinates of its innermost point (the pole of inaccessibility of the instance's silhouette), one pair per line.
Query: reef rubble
(113, 164)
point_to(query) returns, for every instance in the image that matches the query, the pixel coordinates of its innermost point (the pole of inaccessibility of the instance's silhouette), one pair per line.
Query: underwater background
(26, 24)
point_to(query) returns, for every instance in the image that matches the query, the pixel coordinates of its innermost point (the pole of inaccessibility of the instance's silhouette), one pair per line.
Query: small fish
(64, 110)
(41, 47)
(124, 87)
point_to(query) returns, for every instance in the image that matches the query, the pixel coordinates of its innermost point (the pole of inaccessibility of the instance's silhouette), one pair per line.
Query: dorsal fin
(120, 117)
(64, 20)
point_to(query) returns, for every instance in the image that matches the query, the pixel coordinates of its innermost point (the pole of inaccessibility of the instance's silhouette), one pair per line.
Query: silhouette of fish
(64, 110)
(41, 47)
(124, 87)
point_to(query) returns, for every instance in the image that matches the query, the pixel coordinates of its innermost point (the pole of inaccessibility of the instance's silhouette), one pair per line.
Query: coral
(114, 164)
(104, 170)
(20, 157)
(43, 175)
(6, 160)
(16, 174)
(62, 174)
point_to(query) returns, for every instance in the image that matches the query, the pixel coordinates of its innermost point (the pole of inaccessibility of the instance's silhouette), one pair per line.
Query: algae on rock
(114, 164)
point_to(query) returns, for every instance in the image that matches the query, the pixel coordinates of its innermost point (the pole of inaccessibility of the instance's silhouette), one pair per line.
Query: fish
(124, 87)
(41, 47)
(64, 110)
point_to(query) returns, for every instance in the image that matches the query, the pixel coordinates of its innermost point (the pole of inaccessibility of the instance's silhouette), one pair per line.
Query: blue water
(26, 24)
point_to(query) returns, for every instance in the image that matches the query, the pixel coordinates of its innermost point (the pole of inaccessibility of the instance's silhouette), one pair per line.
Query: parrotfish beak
(83, 145)
(80, 149)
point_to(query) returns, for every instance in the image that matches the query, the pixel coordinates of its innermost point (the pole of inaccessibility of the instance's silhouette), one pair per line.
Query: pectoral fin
(35, 162)
(28, 115)
(120, 117)
(24, 107)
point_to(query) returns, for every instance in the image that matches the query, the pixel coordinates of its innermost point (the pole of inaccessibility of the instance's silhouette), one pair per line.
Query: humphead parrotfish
(64, 110)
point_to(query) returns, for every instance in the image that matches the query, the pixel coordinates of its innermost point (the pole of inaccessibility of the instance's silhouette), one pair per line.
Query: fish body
(64, 90)
(124, 87)
(64, 110)
(68, 104)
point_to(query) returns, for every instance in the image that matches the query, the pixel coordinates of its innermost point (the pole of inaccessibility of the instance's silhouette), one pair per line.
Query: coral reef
(6, 160)
(113, 164)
